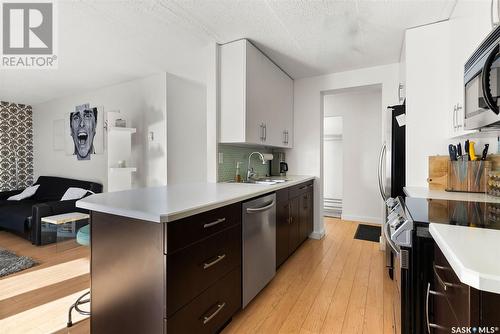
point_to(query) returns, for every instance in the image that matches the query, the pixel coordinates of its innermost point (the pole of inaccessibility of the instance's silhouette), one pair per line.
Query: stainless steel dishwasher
(259, 245)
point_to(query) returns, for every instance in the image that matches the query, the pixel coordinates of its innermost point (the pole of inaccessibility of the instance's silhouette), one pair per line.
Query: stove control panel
(399, 225)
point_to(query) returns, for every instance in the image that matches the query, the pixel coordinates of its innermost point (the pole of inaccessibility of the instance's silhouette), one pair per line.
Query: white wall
(187, 130)
(360, 111)
(333, 156)
(306, 156)
(141, 102)
(427, 98)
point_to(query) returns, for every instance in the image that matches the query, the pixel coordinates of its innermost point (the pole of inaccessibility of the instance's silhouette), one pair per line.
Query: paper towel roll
(268, 156)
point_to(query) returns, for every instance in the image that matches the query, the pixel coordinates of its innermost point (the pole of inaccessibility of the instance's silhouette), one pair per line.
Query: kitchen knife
(485, 151)
(466, 148)
(452, 149)
(459, 149)
(472, 151)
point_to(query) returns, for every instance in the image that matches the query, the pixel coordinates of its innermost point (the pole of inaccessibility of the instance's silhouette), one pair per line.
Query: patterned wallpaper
(16, 143)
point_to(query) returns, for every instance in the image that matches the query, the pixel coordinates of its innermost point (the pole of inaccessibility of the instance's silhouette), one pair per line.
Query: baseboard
(362, 219)
(317, 235)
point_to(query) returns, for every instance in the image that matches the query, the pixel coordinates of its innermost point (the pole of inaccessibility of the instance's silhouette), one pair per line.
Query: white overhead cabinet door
(256, 98)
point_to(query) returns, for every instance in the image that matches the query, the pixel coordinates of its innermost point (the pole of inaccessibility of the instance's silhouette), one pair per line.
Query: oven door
(482, 90)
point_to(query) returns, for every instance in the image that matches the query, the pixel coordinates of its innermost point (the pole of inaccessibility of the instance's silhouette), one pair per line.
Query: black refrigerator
(398, 149)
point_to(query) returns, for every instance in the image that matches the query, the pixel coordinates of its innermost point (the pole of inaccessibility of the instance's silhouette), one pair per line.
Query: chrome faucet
(250, 172)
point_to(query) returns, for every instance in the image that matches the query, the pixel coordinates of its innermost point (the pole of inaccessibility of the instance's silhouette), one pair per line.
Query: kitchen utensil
(452, 149)
(466, 148)
(479, 173)
(472, 151)
(485, 152)
(459, 149)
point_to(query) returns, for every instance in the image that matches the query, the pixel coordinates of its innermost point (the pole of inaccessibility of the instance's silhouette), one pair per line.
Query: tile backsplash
(232, 154)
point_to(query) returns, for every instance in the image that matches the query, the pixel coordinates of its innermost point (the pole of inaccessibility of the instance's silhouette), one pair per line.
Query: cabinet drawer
(443, 317)
(208, 312)
(300, 189)
(193, 269)
(457, 293)
(186, 231)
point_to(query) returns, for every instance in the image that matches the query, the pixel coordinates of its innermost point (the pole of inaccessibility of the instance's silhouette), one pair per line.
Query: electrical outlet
(221, 157)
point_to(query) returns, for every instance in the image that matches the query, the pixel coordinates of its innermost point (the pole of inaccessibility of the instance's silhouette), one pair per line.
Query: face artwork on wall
(85, 125)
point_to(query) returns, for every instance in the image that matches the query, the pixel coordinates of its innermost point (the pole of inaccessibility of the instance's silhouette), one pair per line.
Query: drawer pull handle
(444, 284)
(211, 316)
(264, 208)
(218, 221)
(302, 188)
(218, 259)
(429, 324)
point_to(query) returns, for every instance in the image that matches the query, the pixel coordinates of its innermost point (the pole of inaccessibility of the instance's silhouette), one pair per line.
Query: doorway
(352, 135)
(332, 162)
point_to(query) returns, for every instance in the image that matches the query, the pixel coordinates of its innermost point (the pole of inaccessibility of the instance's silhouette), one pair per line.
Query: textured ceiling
(106, 42)
(308, 38)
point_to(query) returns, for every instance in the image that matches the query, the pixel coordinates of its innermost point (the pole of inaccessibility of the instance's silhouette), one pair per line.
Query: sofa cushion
(13, 215)
(53, 188)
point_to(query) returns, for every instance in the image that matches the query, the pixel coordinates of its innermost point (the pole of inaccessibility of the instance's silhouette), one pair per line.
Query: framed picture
(85, 132)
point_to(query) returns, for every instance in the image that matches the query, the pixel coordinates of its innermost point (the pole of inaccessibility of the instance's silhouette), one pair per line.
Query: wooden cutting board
(438, 172)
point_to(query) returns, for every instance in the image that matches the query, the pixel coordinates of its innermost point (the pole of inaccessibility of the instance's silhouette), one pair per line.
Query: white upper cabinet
(466, 33)
(256, 98)
(434, 67)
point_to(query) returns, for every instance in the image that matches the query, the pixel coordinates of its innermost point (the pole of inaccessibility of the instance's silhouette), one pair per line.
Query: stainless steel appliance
(279, 167)
(482, 84)
(259, 245)
(391, 168)
(407, 230)
(398, 230)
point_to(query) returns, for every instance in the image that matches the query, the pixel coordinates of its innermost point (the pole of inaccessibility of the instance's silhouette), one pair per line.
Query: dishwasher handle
(264, 208)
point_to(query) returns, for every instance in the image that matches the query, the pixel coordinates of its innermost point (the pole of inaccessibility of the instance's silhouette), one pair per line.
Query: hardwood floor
(36, 300)
(334, 285)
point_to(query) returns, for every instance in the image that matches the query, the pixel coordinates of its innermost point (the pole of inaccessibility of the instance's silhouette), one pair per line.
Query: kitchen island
(466, 278)
(169, 259)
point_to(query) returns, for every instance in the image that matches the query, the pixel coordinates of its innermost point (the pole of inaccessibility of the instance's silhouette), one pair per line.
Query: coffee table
(62, 229)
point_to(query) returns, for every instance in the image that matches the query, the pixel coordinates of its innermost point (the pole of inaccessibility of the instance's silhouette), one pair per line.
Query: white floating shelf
(123, 169)
(119, 129)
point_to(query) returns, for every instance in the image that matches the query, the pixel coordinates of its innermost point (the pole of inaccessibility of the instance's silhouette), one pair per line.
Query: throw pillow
(27, 193)
(74, 193)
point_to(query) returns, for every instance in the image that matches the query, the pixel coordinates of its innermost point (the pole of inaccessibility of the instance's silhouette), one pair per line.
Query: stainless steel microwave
(482, 84)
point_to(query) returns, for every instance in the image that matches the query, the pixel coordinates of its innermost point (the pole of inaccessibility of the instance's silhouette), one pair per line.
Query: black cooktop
(474, 214)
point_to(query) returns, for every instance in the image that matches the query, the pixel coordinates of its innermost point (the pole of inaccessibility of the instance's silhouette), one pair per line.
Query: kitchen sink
(267, 180)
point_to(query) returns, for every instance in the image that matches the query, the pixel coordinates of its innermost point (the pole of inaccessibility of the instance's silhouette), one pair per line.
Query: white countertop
(424, 192)
(172, 202)
(472, 253)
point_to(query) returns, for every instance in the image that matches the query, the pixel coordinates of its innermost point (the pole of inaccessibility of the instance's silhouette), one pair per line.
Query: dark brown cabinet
(294, 219)
(453, 304)
(203, 270)
(306, 213)
(282, 226)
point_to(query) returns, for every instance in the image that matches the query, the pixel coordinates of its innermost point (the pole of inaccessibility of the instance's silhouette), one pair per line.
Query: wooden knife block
(466, 176)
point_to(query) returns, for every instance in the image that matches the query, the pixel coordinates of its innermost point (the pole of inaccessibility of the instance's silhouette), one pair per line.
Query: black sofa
(23, 217)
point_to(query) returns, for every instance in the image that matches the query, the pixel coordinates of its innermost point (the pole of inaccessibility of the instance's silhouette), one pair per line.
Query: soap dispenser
(237, 178)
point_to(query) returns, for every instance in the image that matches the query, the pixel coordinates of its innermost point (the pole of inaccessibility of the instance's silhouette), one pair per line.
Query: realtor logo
(28, 34)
